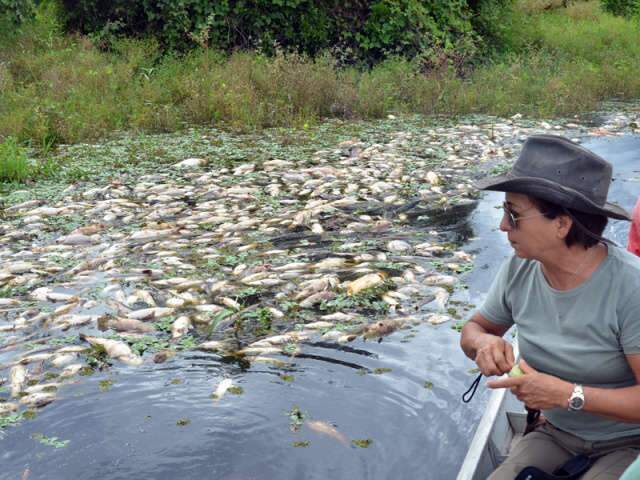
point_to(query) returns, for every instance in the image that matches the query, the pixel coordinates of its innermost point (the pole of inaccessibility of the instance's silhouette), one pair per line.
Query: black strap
(572, 469)
(472, 389)
(533, 415)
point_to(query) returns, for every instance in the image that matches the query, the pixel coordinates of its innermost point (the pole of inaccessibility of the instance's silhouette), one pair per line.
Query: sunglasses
(513, 217)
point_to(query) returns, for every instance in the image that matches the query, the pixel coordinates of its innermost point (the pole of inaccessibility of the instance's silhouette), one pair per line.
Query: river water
(159, 422)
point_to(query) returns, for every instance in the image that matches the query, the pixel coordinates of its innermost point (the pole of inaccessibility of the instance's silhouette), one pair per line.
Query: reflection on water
(403, 394)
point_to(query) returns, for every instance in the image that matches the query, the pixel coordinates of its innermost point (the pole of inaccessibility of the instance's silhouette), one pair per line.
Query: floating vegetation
(428, 385)
(380, 371)
(362, 443)
(105, 385)
(286, 378)
(50, 441)
(296, 418)
(183, 422)
(236, 390)
(301, 444)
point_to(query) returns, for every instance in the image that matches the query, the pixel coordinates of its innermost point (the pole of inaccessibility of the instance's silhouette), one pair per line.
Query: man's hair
(586, 228)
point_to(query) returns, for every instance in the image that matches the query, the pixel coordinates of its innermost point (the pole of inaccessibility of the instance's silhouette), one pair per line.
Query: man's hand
(536, 390)
(494, 356)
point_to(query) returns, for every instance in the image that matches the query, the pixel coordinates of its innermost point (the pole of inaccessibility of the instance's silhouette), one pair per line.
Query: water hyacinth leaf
(182, 422)
(380, 371)
(362, 443)
(50, 441)
(296, 418)
(105, 385)
(301, 444)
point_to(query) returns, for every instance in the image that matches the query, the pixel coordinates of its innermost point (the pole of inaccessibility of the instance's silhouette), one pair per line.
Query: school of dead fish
(297, 233)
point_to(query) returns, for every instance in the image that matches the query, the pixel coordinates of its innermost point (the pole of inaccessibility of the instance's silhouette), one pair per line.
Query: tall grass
(14, 166)
(60, 88)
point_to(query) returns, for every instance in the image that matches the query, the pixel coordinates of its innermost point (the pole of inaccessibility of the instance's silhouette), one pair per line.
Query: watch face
(576, 403)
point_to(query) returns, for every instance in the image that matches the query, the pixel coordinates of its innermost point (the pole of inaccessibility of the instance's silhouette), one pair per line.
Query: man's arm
(621, 404)
(482, 341)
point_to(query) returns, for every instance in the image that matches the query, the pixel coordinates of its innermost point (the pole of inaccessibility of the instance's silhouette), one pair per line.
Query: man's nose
(505, 226)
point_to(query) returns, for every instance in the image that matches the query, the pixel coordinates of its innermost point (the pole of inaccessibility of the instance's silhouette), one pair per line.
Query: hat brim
(552, 192)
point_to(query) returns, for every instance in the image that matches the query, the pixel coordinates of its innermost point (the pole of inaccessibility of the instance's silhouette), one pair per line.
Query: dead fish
(43, 387)
(120, 324)
(228, 302)
(381, 328)
(223, 386)
(316, 298)
(39, 399)
(325, 428)
(163, 355)
(36, 357)
(271, 361)
(150, 313)
(180, 326)
(115, 349)
(362, 283)
(399, 246)
(339, 317)
(259, 351)
(318, 325)
(17, 377)
(63, 359)
(437, 318)
(71, 370)
(331, 263)
(8, 407)
(213, 346)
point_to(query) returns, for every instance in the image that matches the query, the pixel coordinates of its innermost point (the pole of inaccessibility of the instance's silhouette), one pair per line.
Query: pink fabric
(634, 232)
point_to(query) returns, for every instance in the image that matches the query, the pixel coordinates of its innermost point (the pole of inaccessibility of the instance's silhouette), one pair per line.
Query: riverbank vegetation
(539, 58)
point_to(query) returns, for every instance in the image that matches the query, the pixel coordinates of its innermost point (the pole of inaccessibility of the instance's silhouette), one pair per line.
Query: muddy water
(403, 394)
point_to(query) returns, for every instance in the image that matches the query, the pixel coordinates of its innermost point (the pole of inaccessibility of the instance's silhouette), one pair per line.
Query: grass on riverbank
(59, 88)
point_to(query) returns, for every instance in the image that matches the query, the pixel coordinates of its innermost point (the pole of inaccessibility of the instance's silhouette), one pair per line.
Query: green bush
(358, 30)
(14, 166)
(623, 8)
(15, 12)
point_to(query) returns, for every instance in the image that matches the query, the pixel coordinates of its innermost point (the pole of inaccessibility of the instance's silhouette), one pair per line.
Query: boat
(502, 424)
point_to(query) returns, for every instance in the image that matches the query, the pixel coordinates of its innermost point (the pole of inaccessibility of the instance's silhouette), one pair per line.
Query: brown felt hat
(560, 171)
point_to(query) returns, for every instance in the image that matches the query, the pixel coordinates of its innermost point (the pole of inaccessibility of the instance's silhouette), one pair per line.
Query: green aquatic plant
(50, 441)
(296, 418)
(362, 443)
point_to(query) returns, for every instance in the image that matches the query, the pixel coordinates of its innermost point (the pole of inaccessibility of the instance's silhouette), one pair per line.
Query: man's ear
(564, 224)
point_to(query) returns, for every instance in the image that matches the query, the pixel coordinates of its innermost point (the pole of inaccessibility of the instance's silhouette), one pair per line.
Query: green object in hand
(516, 371)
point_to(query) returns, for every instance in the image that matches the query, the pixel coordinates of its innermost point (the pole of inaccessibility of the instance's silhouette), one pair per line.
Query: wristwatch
(576, 400)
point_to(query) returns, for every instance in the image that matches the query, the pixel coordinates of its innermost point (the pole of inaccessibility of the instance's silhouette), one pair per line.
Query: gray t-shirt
(579, 335)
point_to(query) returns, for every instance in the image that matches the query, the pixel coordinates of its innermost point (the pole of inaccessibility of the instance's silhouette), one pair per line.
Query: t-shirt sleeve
(630, 321)
(496, 307)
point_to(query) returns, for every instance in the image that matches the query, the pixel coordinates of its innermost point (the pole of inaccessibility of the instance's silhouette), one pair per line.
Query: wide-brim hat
(560, 171)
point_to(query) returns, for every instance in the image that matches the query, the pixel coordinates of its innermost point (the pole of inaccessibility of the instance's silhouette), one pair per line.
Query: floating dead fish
(17, 377)
(327, 429)
(316, 298)
(437, 318)
(8, 407)
(150, 313)
(180, 326)
(71, 370)
(222, 388)
(213, 346)
(362, 283)
(115, 349)
(126, 325)
(381, 328)
(38, 400)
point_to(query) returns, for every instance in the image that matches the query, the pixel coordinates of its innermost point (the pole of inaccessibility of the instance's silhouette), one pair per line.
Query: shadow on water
(159, 421)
